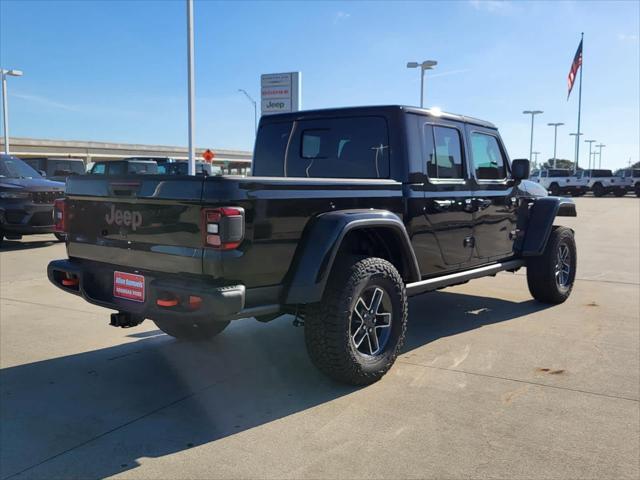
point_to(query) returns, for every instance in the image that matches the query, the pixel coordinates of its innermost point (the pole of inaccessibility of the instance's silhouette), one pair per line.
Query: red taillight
(223, 228)
(59, 216)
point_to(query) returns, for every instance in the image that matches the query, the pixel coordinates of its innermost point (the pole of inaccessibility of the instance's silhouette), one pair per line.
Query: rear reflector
(59, 216)
(171, 302)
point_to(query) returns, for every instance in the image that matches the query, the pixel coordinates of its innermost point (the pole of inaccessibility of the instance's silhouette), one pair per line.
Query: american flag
(573, 73)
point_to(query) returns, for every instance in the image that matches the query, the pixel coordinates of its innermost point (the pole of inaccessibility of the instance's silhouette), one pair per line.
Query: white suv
(631, 179)
(560, 181)
(602, 182)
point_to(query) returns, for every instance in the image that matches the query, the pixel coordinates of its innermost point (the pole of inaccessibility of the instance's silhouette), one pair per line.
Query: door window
(99, 169)
(443, 151)
(488, 160)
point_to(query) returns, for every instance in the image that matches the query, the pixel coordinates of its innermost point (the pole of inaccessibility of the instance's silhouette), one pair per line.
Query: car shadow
(15, 245)
(95, 414)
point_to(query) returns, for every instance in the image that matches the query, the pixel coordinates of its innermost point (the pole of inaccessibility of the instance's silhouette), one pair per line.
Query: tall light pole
(590, 142)
(5, 105)
(555, 139)
(255, 108)
(426, 65)
(191, 88)
(533, 113)
(575, 162)
(535, 156)
(600, 147)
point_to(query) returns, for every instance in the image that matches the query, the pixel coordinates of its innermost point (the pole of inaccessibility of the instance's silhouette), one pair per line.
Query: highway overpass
(232, 160)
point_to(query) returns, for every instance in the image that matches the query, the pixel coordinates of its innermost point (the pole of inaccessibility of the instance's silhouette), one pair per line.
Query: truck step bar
(431, 284)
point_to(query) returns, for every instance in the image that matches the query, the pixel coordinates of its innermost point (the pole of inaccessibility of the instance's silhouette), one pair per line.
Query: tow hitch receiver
(125, 320)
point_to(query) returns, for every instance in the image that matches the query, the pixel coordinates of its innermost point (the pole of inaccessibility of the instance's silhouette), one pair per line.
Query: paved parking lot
(491, 383)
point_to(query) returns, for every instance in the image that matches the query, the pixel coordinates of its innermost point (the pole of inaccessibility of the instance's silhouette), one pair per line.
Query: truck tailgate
(137, 221)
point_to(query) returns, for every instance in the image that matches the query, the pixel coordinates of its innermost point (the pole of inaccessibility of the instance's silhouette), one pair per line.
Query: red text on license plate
(129, 286)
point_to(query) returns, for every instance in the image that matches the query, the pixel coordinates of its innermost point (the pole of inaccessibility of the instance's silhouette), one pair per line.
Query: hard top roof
(373, 109)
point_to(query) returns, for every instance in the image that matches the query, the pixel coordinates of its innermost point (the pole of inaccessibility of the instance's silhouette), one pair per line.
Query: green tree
(560, 163)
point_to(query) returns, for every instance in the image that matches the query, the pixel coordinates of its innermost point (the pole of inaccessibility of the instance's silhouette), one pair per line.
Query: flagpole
(575, 166)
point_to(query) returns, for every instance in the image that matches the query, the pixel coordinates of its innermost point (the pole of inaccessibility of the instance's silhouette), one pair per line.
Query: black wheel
(554, 189)
(637, 189)
(60, 236)
(188, 330)
(550, 276)
(598, 190)
(619, 192)
(1, 238)
(356, 332)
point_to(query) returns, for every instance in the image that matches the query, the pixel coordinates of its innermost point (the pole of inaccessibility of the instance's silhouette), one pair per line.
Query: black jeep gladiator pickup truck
(348, 212)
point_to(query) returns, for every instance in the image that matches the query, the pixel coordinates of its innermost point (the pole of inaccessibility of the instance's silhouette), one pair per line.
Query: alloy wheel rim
(370, 326)
(563, 266)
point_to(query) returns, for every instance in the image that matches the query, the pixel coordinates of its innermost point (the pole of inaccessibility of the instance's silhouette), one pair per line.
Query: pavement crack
(497, 377)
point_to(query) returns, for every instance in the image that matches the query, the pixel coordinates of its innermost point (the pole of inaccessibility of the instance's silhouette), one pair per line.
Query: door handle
(443, 203)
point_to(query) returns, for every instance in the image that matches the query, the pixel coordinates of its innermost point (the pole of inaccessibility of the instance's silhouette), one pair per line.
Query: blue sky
(116, 70)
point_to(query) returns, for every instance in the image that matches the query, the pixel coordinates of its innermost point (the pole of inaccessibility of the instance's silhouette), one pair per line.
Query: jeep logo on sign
(125, 218)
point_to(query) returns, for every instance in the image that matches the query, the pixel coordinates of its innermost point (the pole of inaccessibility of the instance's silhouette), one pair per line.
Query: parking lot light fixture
(590, 142)
(555, 139)
(600, 147)
(426, 65)
(533, 113)
(575, 162)
(255, 108)
(5, 103)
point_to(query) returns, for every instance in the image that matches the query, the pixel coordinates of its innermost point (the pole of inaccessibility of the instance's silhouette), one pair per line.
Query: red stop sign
(208, 155)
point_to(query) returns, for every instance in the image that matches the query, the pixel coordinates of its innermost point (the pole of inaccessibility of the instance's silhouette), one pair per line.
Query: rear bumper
(95, 284)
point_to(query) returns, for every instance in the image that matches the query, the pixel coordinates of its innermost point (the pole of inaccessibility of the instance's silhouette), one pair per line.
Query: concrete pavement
(491, 383)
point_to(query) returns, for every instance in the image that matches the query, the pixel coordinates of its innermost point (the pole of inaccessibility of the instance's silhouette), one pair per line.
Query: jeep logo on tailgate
(125, 218)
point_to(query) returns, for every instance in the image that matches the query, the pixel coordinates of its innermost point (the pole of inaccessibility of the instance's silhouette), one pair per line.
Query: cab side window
(99, 169)
(442, 148)
(488, 160)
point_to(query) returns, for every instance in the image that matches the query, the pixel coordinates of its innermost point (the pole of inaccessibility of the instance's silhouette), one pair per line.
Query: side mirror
(42, 172)
(520, 169)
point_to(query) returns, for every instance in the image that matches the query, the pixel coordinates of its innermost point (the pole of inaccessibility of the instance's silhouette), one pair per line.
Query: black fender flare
(321, 241)
(540, 220)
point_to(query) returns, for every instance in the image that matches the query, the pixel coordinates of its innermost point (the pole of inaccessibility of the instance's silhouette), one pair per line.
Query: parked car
(559, 181)
(602, 182)
(124, 167)
(631, 179)
(57, 169)
(26, 200)
(349, 212)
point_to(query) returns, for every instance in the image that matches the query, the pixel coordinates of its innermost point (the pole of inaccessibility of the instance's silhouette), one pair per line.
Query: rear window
(601, 173)
(559, 173)
(354, 147)
(143, 168)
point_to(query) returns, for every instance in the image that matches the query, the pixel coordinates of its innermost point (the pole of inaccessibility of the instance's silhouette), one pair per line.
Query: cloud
(492, 6)
(340, 16)
(446, 74)
(47, 102)
(623, 37)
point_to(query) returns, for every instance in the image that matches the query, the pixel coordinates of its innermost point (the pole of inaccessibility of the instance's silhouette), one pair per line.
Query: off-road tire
(619, 192)
(328, 323)
(541, 271)
(191, 331)
(637, 189)
(61, 237)
(599, 190)
(554, 189)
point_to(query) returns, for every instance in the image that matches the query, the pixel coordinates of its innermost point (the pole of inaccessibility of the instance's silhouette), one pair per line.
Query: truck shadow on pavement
(102, 412)
(16, 245)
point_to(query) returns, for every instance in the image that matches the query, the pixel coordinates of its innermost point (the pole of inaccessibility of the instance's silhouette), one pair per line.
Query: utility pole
(555, 139)
(533, 113)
